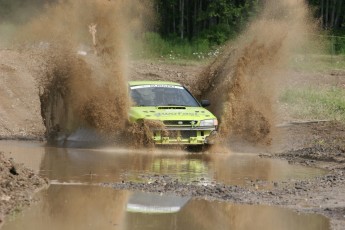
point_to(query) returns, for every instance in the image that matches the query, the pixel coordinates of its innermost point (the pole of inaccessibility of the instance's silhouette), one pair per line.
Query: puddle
(71, 165)
(91, 207)
(75, 201)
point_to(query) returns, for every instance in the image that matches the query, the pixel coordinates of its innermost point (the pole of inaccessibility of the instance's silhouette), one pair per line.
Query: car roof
(135, 83)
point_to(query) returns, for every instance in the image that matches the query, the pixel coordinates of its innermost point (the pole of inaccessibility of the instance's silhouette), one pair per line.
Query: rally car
(186, 121)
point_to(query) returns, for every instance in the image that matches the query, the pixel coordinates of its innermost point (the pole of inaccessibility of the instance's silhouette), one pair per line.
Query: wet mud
(17, 186)
(139, 135)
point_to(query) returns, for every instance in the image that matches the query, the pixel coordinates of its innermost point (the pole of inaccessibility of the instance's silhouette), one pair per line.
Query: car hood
(163, 113)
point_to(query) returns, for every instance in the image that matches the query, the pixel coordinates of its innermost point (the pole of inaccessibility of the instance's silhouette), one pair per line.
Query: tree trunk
(195, 31)
(334, 7)
(174, 20)
(322, 13)
(336, 23)
(187, 24)
(200, 13)
(182, 19)
(327, 16)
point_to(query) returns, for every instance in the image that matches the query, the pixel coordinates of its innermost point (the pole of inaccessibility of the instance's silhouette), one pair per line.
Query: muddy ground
(315, 144)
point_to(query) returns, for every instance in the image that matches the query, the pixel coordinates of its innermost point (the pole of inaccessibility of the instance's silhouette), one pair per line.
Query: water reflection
(73, 207)
(140, 202)
(87, 207)
(28, 153)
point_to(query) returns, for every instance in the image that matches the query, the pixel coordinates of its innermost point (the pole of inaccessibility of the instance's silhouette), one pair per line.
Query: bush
(339, 45)
(218, 34)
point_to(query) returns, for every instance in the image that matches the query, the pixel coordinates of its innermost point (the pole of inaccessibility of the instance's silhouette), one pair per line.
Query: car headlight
(211, 122)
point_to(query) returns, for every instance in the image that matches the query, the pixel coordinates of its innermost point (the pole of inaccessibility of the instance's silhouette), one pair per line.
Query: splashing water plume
(78, 89)
(241, 81)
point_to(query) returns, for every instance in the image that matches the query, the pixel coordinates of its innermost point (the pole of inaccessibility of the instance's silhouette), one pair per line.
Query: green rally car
(186, 120)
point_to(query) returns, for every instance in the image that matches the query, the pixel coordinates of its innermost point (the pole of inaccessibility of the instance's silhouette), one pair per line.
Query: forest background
(195, 29)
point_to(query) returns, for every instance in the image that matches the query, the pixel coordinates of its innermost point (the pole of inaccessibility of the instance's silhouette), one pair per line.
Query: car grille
(180, 123)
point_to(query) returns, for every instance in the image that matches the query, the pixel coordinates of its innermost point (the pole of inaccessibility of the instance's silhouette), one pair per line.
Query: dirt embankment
(20, 110)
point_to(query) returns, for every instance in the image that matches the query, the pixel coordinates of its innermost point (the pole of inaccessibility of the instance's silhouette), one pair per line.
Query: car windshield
(162, 95)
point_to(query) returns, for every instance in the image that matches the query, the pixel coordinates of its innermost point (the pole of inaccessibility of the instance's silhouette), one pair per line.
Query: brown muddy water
(76, 201)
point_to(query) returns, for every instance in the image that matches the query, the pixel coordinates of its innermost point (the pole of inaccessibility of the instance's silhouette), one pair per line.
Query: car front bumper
(184, 136)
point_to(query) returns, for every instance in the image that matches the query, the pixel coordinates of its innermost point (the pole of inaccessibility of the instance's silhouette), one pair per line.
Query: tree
(330, 12)
(193, 19)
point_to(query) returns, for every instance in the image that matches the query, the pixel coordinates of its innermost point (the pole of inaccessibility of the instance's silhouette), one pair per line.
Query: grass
(151, 46)
(318, 63)
(316, 103)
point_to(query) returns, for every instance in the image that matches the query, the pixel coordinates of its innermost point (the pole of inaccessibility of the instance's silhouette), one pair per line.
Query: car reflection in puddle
(140, 202)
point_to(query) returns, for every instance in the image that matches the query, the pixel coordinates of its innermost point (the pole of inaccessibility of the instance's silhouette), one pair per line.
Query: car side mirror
(205, 103)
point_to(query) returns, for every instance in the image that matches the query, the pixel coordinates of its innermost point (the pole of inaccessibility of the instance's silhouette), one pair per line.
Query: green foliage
(153, 46)
(316, 103)
(218, 34)
(19, 11)
(338, 44)
(216, 20)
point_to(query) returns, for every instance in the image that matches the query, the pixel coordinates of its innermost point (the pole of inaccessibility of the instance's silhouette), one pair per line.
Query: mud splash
(140, 134)
(73, 94)
(242, 81)
(83, 48)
